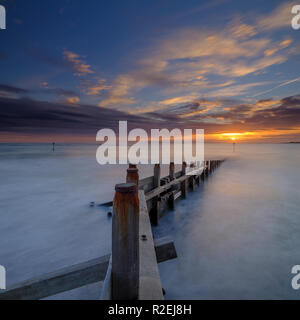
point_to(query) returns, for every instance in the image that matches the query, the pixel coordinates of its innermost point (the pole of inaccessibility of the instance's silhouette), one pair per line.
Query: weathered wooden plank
(195, 172)
(106, 293)
(149, 283)
(146, 184)
(165, 249)
(125, 243)
(59, 281)
(158, 191)
(76, 276)
(106, 204)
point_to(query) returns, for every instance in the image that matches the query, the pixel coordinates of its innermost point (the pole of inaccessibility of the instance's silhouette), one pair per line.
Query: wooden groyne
(130, 272)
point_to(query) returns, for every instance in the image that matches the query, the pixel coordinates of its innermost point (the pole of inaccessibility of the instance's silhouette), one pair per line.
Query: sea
(236, 236)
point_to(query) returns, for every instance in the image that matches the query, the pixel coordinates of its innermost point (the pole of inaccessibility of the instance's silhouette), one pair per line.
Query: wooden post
(132, 176)
(156, 180)
(171, 200)
(154, 213)
(207, 169)
(183, 184)
(125, 243)
(192, 183)
(172, 171)
(212, 165)
(197, 178)
(202, 176)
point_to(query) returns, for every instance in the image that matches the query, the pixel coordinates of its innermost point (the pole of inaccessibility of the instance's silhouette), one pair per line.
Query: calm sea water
(237, 236)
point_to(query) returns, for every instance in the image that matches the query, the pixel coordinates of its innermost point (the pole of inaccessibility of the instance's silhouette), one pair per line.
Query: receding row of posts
(125, 224)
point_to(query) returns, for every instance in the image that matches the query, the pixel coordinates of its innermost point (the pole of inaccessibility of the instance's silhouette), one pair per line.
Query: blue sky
(214, 63)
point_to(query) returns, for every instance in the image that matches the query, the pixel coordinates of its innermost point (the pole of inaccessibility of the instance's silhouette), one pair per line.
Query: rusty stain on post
(125, 243)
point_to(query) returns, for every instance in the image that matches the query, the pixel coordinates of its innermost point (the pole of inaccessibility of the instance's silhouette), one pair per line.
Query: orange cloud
(72, 100)
(96, 89)
(280, 17)
(120, 89)
(80, 67)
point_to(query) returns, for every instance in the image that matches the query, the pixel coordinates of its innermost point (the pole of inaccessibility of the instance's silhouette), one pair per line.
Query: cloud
(279, 18)
(177, 100)
(96, 89)
(5, 88)
(243, 31)
(80, 67)
(39, 117)
(44, 84)
(36, 118)
(68, 96)
(285, 83)
(73, 100)
(61, 92)
(283, 44)
(190, 62)
(217, 114)
(235, 90)
(184, 60)
(120, 89)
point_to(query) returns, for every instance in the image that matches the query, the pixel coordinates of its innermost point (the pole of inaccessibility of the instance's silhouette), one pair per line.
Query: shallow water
(237, 235)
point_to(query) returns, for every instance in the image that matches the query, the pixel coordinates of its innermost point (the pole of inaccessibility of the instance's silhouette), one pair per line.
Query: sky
(71, 67)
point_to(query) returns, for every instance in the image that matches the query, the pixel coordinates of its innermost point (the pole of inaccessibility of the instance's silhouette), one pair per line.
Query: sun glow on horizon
(234, 136)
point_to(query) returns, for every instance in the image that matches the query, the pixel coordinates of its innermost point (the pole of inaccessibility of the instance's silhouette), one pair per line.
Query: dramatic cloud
(215, 77)
(195, 60)
(262, 114)
(26, 116)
